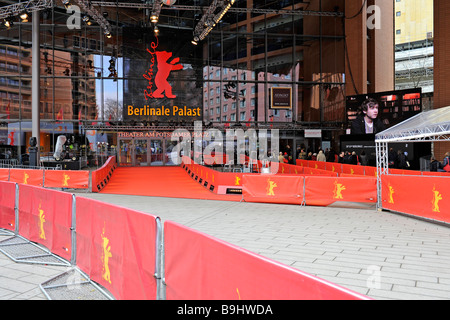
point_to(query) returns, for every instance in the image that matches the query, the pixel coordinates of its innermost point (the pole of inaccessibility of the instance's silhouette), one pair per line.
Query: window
(242, 116)
(398, 31)
(398, 13)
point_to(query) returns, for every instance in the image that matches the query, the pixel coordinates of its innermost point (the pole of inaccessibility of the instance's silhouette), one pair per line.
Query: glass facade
(264, 63)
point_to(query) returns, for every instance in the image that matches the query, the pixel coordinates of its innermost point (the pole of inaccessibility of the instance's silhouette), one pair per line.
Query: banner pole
(73, 233)
(16, 211)
(158, 260)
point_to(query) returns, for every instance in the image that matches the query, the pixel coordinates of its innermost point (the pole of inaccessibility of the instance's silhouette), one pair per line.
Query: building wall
(442, 64)
(370, 63)
(380, 44)
(413, 20)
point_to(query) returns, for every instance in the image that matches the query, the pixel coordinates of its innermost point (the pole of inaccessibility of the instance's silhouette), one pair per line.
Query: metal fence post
(16, 211)
(73, 258)
(159, 259)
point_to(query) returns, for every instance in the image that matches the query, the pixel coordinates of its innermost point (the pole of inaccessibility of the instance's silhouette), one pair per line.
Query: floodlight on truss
(156, 10)
(210, 19)
(16, 9)
(96, 16)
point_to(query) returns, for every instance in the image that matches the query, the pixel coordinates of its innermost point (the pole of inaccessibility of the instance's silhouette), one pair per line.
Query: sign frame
(278, 103)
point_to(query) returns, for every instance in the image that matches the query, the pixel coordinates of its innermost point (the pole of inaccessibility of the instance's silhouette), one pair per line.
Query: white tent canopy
(433, 125)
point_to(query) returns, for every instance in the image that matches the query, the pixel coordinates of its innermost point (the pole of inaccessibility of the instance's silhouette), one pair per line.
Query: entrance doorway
(144, 152)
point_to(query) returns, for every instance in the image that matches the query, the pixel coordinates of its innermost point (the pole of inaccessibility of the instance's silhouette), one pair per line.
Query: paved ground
(379, 254)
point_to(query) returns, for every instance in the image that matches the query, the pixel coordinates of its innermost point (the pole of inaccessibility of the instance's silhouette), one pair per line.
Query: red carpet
(173, 182)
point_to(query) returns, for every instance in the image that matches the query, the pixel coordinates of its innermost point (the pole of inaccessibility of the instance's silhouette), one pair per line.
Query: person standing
(436, 166)
(363, 158)
(392, 158)
(446, 162)
(401, 160)
(321, 156)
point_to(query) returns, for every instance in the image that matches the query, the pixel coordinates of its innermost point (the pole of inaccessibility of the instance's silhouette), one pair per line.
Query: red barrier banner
(320, 165)
(405, 172)
(334, 167)
(423, 196)
(370, 171)
(323, 191)
(7, 204)
(116, 247)
(440, 174)
(27, 176)
(284, 168)
(273, 188)
(301, 163)
(46, 217)
(66, 179)
(353, 169)
(321, 172)
(4, 174)
(100, 176)
(200, 267)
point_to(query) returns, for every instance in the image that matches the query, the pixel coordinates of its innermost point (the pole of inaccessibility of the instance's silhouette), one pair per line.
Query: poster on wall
(280, 98)
(162, 76)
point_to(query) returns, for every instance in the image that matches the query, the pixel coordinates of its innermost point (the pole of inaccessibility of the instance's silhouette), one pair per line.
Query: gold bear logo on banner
(106, 254)
(437, 196)
(337, 192)
(41, 223)
(391, 194)
(25, 178)
(270, 186)
(238, 180)
(66, 179)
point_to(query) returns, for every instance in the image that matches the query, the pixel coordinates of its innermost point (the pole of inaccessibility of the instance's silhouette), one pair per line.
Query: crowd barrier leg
(159, 260)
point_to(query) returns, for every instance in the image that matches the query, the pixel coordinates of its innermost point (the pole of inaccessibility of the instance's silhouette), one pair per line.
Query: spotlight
(66, 3)
(156, 30)
(194, 42)
(24, 16)
(8, 23)
(87, 20)
(154, 18)
(108, 34)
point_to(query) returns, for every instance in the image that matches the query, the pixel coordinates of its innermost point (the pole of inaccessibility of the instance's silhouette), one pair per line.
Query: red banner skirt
(200, 267)
(423, 196)
(46, 217)
(7, 204)
(116, 247)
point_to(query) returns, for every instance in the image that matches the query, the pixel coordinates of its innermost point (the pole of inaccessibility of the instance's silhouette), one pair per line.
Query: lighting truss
(234, 10)
(15, 9)
(210, 19)
(97, 16)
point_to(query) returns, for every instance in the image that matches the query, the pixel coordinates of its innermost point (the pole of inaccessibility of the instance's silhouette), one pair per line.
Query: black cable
(359, 12)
